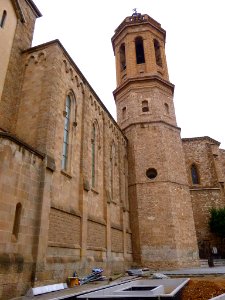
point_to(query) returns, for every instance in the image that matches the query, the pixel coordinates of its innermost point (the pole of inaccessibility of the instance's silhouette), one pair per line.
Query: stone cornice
(201, 138)
(152, 122)
(145, 78)
(16, 140)
(34, 8)
(19, 11)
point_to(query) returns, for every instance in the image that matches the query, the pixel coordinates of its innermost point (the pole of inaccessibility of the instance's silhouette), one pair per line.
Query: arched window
(112, 170)
(2, 21)
(166, 106)
(66, 133)
(94, 154)
(140, 56)
(145, 107)
(122, 57)
(70, 124)
(158, 57)
(194, 174)
(16, 225)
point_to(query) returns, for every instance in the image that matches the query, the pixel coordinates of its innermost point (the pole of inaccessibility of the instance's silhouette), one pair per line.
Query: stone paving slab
(196, 271)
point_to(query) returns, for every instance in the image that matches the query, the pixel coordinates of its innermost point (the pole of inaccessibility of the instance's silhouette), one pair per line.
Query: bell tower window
(167, 110)
(158, 57)
(2, 21)
(124, 113)
(140, 56)
(122, 57)
(145, 106)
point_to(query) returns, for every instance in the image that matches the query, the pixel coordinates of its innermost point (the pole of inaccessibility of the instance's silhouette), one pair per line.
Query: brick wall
(129, 242)
(96, 235)
(64, 229)
(117, 240)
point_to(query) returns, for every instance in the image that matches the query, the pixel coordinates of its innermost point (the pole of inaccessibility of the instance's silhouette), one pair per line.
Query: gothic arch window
(140, 55)
(158, 56)
(95, 146)
(112, 170)
(69, 121)
(122, 57)
(3, 19)
(17, 217)
(195, 174)
(145, 107)
(167, 110)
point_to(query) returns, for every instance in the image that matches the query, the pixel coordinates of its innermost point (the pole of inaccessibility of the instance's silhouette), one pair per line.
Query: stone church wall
(208, 193)
(20, 177)
(88, 222)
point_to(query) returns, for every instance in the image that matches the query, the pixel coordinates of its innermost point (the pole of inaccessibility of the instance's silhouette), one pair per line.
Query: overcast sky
(195, 51)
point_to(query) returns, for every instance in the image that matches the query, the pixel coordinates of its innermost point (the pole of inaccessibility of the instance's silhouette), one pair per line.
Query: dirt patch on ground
(203, 288)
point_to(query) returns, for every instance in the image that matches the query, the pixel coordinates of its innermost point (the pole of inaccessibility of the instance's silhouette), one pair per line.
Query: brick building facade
(78, 189)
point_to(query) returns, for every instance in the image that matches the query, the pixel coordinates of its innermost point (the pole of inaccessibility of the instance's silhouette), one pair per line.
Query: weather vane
(135, 12)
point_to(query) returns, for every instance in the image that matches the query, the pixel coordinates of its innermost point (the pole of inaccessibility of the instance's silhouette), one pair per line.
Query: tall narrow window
(140, 56)
(95, 148)
(158, 57)
(122, 57)
(112, 170)
(194, 174)
(93, 154)
(3, 19)
(166, 106)
(124, 113)
(145, 107)
(66, 133)
(17, 218)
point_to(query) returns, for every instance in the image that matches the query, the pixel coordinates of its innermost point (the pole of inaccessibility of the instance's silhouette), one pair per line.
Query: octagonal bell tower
(161, 214)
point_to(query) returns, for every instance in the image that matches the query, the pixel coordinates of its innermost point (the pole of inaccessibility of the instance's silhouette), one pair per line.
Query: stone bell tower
(161, 213)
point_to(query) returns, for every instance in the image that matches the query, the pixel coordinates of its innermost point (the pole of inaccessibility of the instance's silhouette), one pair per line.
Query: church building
(80, 190)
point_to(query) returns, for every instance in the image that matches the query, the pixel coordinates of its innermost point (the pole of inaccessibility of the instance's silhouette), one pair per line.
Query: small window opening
(17, 218)
(145, 107)
(140, 56)
(166, 108)
(158, 57)
(2, 22)
(124, 112)
(122, 57)
(194, 174)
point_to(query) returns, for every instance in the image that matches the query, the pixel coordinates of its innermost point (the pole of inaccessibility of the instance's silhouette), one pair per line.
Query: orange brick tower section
(161, 213)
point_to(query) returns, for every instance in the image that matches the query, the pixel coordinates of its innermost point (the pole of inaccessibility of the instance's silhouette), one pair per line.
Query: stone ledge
(13, 138)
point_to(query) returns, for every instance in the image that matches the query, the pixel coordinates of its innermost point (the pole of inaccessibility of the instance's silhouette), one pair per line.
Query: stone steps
(217, 262)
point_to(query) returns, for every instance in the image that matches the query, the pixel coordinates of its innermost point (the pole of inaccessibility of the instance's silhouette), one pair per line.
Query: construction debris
(94, 276)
